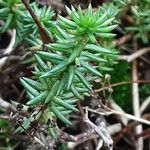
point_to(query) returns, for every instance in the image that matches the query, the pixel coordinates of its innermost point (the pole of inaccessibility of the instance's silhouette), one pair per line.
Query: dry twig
(101, 130)
(110, 112)
(119, 84)
(123, 39)
(145, 104)
(135, 55)
(136, 103)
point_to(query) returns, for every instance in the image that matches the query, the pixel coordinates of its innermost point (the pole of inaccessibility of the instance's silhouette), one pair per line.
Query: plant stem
(43, 33)
(122, 83)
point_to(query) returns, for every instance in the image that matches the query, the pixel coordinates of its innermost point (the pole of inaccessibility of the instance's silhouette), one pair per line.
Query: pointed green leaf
(4, 11)
(68, 95)
(62, 46)
(80, 13)
(95, 48)
(91, 69)
(63, 33)
(105, 35)
(107, 22)
(64, 104)
(76, 93)
(53, 91)
(70, 101)
(71, 73)
(29, 88)
(60, 108)
(90, 10)
(101, 19)
(68, 22)
(105, 68)
(25, 125)
(64, 26)
(62, 84)
(53, 132)
(83, 79)
(68, 10)
(46, 82)
(30, 60)
(66, 112)
(30, 95)
(59, 115)
(57, 69)
(49, 56)
(106, 29)
(86, 94)
(74, 15)
(93, 57)
(38, 99)
(41, 63)
(77, 51)
(91, 37)
(7, 23)
(74, 55)
(82, 90)
(34, 84)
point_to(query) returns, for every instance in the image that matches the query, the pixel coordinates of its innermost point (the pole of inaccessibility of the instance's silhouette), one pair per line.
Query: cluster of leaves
(81, 52)
(11, 12)
(15, 16)
(141, 12)
(141, 15)
(65, 73)
(121, 3)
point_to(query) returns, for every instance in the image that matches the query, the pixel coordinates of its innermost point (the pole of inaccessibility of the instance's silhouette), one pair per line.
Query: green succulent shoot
(44, 15)
(65, 73)
(89, 24)
(11, 12)
(141, 15)
(15, 16)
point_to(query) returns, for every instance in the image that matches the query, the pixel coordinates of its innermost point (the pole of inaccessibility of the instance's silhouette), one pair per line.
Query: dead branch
(145, 134)
(6, 105)
(123, 39)
(121, 83)
(125, 131)
(101, 130)
(135, 55)
(110, 111)
(136, 103)
(145, 104)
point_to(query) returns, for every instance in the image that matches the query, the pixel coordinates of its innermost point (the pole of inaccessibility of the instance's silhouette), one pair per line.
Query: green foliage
(66, 72)
(122, 94)
(11, 12)
(15, 16)
(3, 123)
(80, 53)
(140, 10)
(84, 24)
(141, 15)
(121, 3)
(44, 15)
(111, 9)
(5, 134)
